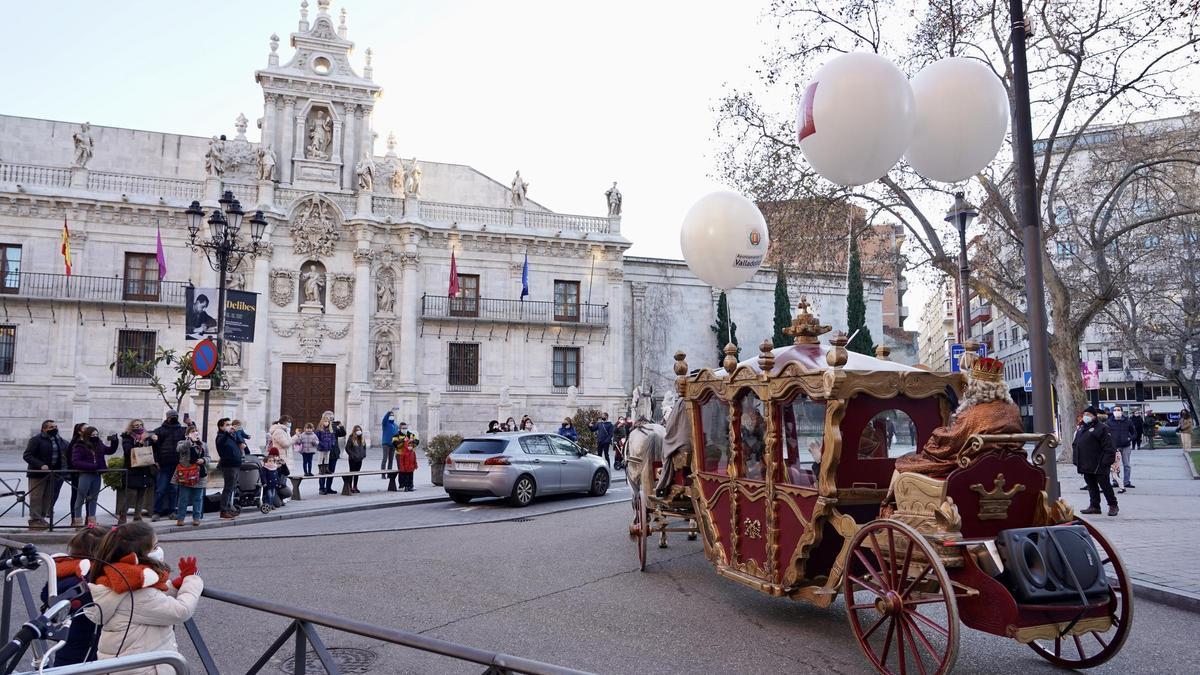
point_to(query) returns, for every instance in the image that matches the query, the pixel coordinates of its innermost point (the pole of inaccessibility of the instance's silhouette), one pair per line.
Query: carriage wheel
(1095, 647)
(639, 530)
(900, 600)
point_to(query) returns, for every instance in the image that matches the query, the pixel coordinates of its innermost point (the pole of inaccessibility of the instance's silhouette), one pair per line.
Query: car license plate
(467, 466)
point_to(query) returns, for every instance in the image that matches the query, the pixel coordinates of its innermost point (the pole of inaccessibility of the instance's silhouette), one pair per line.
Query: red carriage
(790, 475)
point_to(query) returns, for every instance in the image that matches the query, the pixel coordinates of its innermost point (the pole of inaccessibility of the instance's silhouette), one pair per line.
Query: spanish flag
(66, 247)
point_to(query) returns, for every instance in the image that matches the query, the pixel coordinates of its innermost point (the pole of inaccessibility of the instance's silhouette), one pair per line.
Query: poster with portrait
(241, 308)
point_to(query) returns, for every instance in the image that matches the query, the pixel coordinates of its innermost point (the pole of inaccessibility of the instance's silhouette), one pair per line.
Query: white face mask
(156, 554)
(1118, 414)
(1087, 419)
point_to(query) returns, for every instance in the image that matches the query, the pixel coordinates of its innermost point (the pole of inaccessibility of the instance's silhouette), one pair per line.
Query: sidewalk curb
(1187, 459)
(1144, 590)
(64, 534)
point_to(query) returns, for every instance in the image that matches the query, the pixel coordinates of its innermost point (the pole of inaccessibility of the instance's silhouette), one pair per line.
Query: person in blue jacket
(567, 430)
(390, 429)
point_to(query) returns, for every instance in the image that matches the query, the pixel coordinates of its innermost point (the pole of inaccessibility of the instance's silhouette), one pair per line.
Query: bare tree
(1094, 65)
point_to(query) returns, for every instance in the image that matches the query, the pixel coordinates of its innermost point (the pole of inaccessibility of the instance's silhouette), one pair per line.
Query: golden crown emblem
(988, 369)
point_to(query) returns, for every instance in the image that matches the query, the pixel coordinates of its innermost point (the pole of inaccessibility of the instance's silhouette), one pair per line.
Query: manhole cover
(347, 659)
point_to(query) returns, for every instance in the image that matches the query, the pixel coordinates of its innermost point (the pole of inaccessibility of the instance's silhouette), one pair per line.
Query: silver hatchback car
(520, 466)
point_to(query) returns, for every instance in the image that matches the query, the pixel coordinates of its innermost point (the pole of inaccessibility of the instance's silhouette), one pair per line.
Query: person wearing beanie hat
(1092, 453)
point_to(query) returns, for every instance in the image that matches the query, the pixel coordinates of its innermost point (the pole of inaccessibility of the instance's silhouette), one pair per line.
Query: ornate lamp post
(961, 215)
(224, 250)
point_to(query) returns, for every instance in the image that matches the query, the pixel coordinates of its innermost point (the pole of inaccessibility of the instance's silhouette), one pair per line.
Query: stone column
(258, 353)
(81, 402)
(288, 140)
(616, 319)
(409, 313)
(364, 292)
(350, 152)
(270, 130)
(636, 321)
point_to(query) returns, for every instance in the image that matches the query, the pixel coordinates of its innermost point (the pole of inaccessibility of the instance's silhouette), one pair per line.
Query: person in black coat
(1092, 453)
(166, 439)
(1139, 428)
(47, 451)
(1123, 431)
(229, 450)
(137, 489)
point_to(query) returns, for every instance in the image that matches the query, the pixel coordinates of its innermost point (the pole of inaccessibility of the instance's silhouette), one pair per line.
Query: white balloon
(856, 118)
(962, 116)
(724, 239)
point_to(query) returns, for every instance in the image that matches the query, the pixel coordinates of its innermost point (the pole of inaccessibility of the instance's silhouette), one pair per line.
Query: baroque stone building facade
(352, 312)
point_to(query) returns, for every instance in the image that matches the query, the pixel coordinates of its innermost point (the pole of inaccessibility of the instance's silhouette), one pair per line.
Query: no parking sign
(204, 357)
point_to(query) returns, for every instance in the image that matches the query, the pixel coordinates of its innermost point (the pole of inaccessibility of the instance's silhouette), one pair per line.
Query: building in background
(939, 325)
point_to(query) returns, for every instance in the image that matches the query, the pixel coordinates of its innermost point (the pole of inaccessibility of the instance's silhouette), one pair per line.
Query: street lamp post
(223, 249)
(962, 214)
(1031, 239)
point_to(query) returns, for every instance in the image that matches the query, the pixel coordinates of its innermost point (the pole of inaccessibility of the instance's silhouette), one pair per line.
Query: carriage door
(752, 519)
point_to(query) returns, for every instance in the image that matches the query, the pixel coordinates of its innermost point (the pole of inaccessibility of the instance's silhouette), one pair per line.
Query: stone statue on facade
(614, 201)
(314, 282)
(214, 159)
(519, 191)
(398, 177)
(383, 357)
(266, 163)
(320, 136)
(385, 299)
(366, 174)
(412, 179)
(231, 353)
(83, 145)
(240, 124)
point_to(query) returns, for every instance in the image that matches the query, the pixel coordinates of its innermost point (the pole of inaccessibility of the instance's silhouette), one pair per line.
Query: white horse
(668, 447)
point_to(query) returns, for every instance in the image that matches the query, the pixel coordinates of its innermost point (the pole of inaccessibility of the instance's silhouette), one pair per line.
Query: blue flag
(525, 278)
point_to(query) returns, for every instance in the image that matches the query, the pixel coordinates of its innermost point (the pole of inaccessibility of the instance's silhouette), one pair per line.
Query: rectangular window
(135, 350)
(1158, 358)
(566, 366)
(1095, 357)
(8, 350)
(566, 300)
(1115, 360)
(10, 268)
(467, 302)
(141, 277)
(464, 366)
(1015, 334)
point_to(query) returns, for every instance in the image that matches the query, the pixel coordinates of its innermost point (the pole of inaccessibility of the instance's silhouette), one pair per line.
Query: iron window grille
(566, 367)
(8, 351)
(464, 366)
(140, 346)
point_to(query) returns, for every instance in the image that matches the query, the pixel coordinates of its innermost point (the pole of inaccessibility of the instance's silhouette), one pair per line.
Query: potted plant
(436, 451)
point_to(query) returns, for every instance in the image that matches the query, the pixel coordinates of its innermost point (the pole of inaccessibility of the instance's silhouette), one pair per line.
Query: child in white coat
(133, 597)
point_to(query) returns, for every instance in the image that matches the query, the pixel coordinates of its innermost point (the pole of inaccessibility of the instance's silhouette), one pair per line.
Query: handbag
(187, 476)
(141, 456)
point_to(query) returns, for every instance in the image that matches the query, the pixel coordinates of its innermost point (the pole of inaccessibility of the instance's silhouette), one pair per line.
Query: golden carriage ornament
(789, 477)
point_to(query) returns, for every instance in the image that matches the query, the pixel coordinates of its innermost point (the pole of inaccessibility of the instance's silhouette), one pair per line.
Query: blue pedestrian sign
(956, 352)
(1028, 380)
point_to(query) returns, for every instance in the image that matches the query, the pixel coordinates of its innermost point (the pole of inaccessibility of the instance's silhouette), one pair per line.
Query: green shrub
(440, 446)
(584, 418)
(114, 480)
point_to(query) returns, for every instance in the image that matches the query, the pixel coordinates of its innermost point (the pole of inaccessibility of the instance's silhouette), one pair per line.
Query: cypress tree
(783, 311)
(856, 306)
(725, 330)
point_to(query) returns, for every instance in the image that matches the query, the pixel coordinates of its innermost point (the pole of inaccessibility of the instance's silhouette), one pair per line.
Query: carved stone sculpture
(320, 136)
(313, 227)
(366, 174)
(83, 145)
(397, 178)
(341, 289)
(412, 179)
(519, 189)
(614, 200)
(312, 331)
(383, 356)
(283, 287)
(231, 353)
(266, 163)
(214, 159)
(314, 283)
(240, 124)
(385, 297)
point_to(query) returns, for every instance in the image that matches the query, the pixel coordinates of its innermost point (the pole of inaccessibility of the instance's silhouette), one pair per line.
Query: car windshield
(480, 447)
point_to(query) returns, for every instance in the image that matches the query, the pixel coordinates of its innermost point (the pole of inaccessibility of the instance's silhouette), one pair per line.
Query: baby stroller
(250, 488)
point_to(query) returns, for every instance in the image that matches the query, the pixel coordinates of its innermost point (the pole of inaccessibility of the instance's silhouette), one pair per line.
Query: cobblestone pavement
(1158, 530)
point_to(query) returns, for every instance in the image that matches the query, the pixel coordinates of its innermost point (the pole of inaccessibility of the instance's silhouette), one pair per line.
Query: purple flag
(162, 257)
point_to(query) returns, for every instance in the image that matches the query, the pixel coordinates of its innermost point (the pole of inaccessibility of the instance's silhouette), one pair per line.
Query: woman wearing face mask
(87, 457)
(138, 490)
(356, 452)
(567, 430)
(280, 443)
(134, 577)
(190, 477)
(1092, 453)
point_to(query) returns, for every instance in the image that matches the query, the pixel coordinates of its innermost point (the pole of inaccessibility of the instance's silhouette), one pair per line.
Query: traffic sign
(1028, 380)
(956, 352)
(204, 357)
(203, 384)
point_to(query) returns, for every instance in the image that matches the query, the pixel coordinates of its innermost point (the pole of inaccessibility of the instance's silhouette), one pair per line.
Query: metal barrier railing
(302, 628)
(12, 488)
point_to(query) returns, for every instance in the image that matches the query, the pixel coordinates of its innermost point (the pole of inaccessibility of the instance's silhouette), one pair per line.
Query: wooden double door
(307, 391)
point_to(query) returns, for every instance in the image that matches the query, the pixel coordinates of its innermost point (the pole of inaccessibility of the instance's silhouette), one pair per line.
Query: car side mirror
(582, 452)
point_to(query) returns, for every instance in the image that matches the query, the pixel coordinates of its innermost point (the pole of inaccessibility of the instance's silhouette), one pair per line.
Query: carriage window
(803, 432)
(752, 431)
(714, 421)
(889, 434)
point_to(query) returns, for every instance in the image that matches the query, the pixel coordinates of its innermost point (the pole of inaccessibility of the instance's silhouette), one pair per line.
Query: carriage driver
(985, 408)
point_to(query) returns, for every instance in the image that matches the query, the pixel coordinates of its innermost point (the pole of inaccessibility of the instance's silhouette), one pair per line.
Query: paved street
(563, 587)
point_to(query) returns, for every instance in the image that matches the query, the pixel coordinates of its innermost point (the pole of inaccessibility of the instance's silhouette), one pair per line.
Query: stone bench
(297, 479)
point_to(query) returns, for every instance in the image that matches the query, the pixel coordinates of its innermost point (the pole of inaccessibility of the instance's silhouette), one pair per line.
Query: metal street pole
(1031, 235)
(223, 264)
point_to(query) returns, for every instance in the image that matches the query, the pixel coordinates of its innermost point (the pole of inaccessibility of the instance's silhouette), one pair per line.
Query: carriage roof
(812, 357)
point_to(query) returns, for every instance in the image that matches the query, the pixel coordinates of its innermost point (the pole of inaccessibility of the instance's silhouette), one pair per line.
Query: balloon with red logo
(724, 239)
(856, 118)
